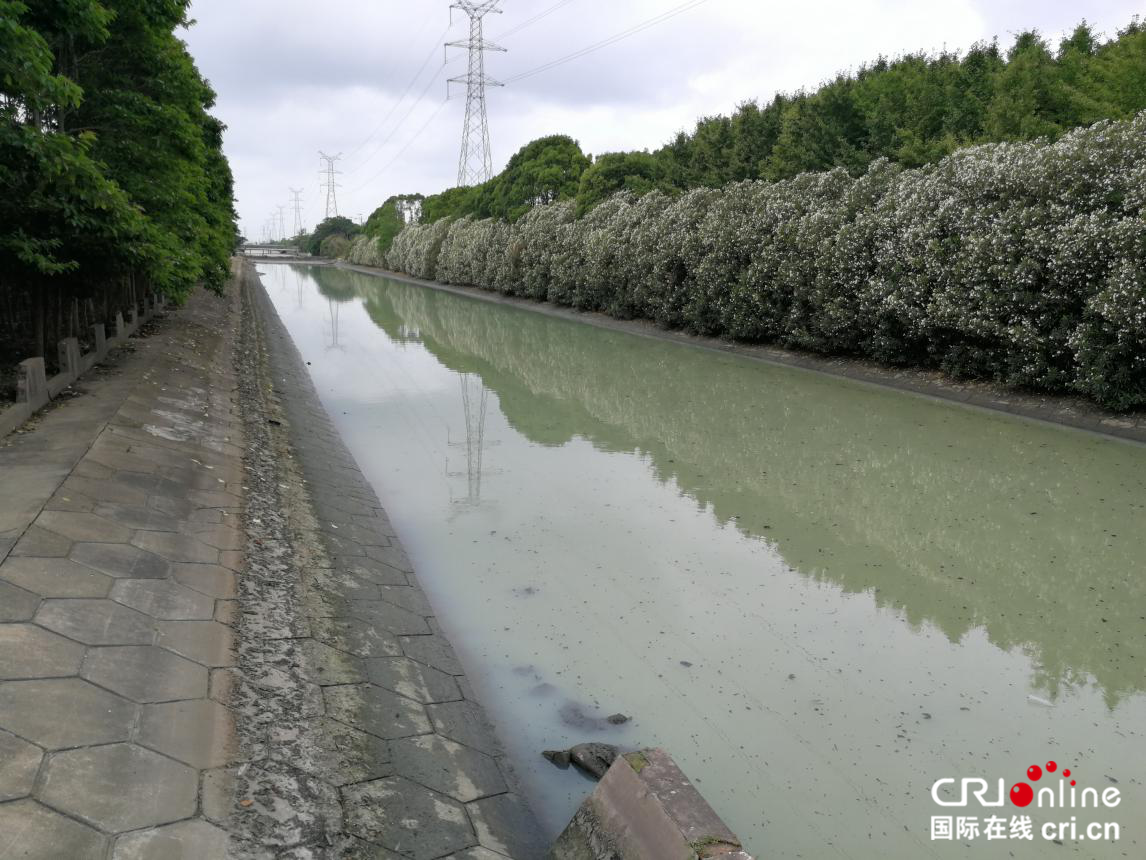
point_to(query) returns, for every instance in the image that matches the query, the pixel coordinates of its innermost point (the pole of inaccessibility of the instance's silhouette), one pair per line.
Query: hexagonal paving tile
(16, 604)
(199, 732)
(206, 642)
(355, 637)
(187, 840)
(55, 577)
(478, 853)
(120, 560)
(161, 598)
(27, 651)
(443, 765)
(466, 723)
(375, 710)
(120, 787)
(434, 651)
(506, 825)
(96, 622)
(64, 712)
(386, 616)
(332, 751)
(402, 815)
(176, 547)
(210, 579)
(286, 805)
(413, 680)
(47, 835)
(145, 673)
(135, 517)
(78, 526)
(19, 761)
(42, 543)
(329, 666)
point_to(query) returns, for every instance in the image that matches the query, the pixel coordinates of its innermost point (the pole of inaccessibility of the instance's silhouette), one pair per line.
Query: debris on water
(1040, 701)
(561, 758)
(1112, 779)
(926, 715)
(542, 689)
(618, 719)
(791, 676)
(574, 716)
(686, 664)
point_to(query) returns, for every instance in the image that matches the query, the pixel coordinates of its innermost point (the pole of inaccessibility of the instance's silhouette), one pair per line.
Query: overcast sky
(294, 77)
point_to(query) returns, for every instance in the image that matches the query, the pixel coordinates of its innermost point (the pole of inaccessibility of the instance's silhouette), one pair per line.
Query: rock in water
(558, 757)
(617, 719)
(594, 758)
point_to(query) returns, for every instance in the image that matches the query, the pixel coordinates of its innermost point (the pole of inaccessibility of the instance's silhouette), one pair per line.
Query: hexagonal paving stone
(161, 598)
(120, 787)
(413, 680)
(466, 723)
(96, 622)
(375, 710)
(409, 597)
(372, 571)
(27, 651)
(47, 835)
(478, 853)
(332, 751)
(55, 577)
(187, 840)
(355, 637)
(64, 712)
(176, 547)
(135, 517)
(78, 526)
(443, 765)
(42, 543)
(16, 604)
(199, 732)
(209, 579)
(434, 651)
(386, 616)
(206, 642)
(120, 560)
(19, 761)
(506, 825)
(145, 673)
(218, 536)
(407, 817)
(329, 666)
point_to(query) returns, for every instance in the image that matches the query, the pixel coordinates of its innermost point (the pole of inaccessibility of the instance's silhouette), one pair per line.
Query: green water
(819, 596)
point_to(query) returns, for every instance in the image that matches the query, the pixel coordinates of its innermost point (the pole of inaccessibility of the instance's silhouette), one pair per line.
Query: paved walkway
(211, 642)
(120, 536)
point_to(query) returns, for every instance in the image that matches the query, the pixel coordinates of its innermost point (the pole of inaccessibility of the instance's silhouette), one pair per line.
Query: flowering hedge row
(1021, 263)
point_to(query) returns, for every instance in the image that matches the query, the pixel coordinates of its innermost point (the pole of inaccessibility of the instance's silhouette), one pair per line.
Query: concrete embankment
(210, 638)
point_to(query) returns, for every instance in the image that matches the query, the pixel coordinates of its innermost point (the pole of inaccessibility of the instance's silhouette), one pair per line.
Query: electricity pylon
(475, 164)
(329, 184)
(296, 202)
(282, 221)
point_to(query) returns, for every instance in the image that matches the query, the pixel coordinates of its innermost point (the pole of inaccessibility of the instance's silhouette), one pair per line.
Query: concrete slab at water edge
(401, 664)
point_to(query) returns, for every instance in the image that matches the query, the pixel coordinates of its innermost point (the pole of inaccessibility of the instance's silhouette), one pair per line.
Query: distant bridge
(272, 251)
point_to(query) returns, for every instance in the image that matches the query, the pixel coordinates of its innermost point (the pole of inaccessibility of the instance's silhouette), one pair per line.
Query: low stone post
(120, 327)
(99, 335)
(133, 316)
(69, 354)
(645, 808)
(32, 383)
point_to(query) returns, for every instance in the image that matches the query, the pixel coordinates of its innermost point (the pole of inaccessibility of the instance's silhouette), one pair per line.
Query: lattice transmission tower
(329, 184)
(296, 203)
(475, 164)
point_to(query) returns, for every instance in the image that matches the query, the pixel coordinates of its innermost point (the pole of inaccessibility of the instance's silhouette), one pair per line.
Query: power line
(529, 22)
(612, 40)
(406, 92)
(402, 151)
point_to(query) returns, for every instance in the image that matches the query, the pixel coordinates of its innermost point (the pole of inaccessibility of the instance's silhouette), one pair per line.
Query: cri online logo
(1022, 794)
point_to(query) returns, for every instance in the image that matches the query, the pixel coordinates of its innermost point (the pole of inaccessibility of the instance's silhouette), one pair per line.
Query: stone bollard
(32, 383)
(99, 334)
(120, 327)
(645, 808)
(133, 316)
(69, 353)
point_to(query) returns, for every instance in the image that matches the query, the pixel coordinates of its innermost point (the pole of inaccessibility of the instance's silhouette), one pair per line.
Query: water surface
(820, 596)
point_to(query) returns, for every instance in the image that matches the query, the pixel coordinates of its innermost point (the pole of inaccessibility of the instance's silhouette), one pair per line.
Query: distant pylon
(296, 202)
(475, 164)
(282, 221)
(328, 183)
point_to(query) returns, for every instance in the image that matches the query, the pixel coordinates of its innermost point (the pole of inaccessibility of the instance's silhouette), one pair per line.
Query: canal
(819, 596)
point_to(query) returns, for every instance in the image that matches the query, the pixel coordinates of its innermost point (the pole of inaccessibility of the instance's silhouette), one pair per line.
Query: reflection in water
(830, 528)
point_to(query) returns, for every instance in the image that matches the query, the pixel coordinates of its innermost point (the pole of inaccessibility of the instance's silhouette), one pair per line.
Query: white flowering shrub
(364, 251)
(1022, 263)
